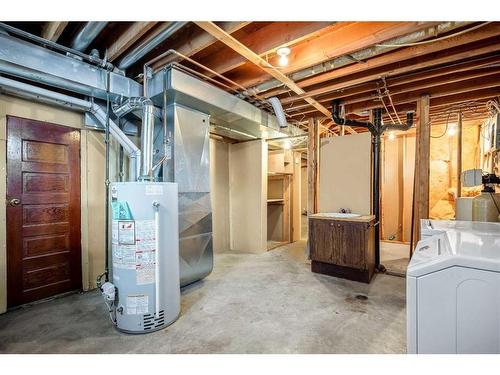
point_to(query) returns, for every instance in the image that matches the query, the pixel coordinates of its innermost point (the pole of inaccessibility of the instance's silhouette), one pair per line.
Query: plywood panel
(248, 196)
(345, 174)
(219, 180)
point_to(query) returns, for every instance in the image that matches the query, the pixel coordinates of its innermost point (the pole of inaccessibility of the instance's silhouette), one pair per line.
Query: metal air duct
(87, 35)
(27, 91)
(142, 49)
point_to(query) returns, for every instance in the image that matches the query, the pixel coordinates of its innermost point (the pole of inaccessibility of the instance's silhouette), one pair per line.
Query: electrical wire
(434, 40)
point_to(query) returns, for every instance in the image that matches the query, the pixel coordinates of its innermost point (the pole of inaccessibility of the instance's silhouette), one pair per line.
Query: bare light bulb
(287, 145)
(283, 60)
(283, 53)
(451, 131)
(392, 136)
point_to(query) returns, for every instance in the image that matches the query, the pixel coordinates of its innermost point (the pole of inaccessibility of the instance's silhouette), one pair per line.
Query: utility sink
(339, 215)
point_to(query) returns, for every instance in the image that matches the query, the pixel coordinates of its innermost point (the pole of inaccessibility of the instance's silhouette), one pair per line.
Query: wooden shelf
(276, 201)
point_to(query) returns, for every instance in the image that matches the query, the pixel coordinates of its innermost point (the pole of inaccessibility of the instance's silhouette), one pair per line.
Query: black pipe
(377, 123)
(343, 121)
(376, 129)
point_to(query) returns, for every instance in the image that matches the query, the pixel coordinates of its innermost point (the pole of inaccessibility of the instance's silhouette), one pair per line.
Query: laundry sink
(339, 215)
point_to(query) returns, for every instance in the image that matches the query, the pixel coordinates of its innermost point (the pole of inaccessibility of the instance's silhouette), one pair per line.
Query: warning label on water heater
(137, 304)
(145, 256)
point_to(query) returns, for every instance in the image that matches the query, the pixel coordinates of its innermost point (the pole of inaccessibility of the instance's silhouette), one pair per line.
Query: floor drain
(361, 297)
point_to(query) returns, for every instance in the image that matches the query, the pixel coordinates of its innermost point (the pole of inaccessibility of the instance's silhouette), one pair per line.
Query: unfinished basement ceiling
(365, 64)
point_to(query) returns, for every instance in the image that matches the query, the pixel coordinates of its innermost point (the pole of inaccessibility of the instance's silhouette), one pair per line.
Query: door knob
(15, 202)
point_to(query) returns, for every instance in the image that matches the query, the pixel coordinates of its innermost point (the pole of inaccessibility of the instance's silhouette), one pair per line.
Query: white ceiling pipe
(46, 96)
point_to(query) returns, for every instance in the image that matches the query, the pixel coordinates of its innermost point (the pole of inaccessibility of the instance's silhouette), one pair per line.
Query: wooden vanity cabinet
(343, 248)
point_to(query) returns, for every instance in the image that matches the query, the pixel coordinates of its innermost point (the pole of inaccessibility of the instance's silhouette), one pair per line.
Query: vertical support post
(377, 122)
(422, 169)
(313, 166)
(459, 155)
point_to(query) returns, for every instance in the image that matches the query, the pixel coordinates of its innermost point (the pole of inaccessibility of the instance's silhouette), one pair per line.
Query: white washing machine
(453, 289)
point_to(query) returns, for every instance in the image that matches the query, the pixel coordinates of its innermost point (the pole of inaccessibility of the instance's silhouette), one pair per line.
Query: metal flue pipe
(87, 35)
(145, 105)
(35, 93)
(142, 49)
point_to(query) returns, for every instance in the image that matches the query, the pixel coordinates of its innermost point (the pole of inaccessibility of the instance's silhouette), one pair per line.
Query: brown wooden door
(43, 227)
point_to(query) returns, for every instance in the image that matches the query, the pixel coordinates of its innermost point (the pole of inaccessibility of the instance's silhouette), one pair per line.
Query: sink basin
(339, 215)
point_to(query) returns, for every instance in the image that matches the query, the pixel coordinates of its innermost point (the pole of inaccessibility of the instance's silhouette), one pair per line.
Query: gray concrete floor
(251, 303)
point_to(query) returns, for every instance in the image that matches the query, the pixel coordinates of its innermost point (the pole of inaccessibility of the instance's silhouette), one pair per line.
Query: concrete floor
(251, 303)
(395, 257)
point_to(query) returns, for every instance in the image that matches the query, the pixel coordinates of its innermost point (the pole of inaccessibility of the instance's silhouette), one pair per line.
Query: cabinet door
(352, 245)
(321, 240)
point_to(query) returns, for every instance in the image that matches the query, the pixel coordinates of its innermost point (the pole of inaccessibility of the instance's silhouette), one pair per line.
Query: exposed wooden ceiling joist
(189, 45)
(416, 78)
(399, 65)
(386, 63)
(131, 35)
(265, 41)
(343, 39)
(53, 30)
(231, 42)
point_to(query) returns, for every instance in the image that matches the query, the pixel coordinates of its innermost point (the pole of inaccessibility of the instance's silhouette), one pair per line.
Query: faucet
(345, 210)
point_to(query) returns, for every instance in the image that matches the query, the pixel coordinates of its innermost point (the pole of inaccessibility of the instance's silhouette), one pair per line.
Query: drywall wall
(345, 174)
(219, 180)
(443, 169)
(92, 184)
(248, 196)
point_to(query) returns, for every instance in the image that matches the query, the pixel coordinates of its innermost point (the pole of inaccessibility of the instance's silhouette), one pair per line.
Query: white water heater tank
(145, 255)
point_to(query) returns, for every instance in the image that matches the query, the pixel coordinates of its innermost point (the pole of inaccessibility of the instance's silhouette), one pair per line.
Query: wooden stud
(53, 30)
(459, 154)
(313, 167)
(422, 168)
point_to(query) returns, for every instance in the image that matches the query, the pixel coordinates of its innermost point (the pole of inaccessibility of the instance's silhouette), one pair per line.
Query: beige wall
(248, 196)
(344, 175)
(92, 185)
(219, 181)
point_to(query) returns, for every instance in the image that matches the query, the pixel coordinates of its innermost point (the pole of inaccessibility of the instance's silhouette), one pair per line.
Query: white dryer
(453, 289)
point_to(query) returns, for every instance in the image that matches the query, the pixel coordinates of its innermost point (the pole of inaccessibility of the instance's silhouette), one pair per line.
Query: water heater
(145, 255)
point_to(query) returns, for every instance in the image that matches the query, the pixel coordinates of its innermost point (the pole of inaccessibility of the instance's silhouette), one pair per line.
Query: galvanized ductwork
(87, 35)
(142, 49)
(24, 90)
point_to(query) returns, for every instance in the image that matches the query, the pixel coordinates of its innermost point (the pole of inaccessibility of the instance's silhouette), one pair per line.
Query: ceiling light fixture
(392, 136)
(452, 130)
(283, 53)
